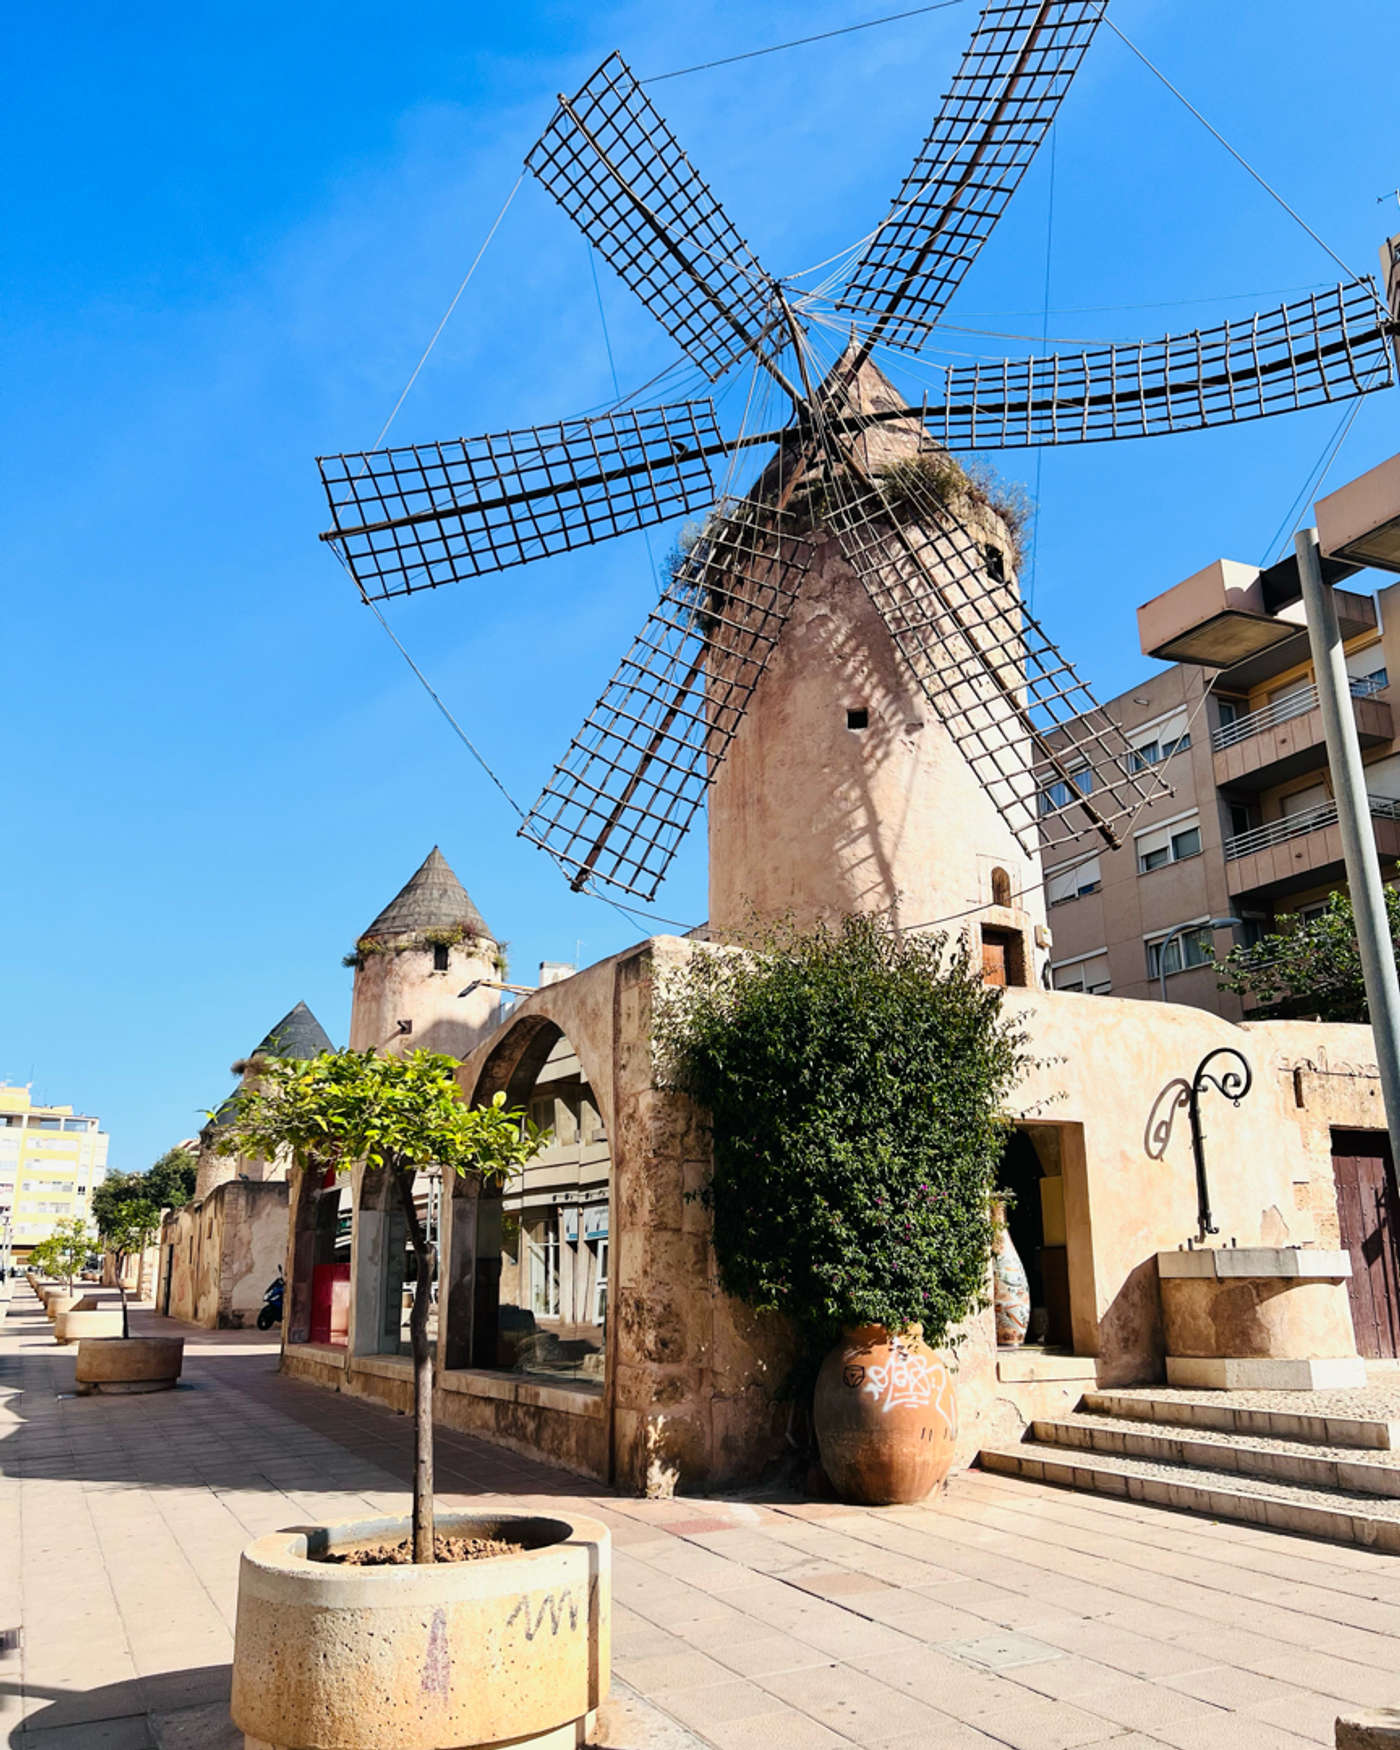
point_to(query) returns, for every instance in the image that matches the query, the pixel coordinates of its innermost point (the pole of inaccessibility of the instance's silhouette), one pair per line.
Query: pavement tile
(851, 1702)
(784, 1730)
(713, 1704)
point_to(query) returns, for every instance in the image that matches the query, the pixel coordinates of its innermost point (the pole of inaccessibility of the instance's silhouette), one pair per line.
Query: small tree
(1309, 967)
(854, 1079)
(400, 1114)
(128, 1228)
(168, 1184)
(65, 1251)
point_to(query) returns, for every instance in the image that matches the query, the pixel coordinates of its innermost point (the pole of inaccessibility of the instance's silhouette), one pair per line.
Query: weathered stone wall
(226, 1250)
(402, 985)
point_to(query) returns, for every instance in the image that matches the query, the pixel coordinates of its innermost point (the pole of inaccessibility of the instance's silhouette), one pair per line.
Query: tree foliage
(64, 1253)
(1309, 967)
(854, 1079)
(168, 1184)
(343, 1108)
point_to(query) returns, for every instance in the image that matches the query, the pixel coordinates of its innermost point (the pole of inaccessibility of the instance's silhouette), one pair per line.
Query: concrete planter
(512, 1650)
(128, 1364)
(57, 1300)
(87, 1319)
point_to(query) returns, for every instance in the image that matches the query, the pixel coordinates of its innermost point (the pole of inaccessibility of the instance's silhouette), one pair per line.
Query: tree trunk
(121, 1290)
(426, 1258)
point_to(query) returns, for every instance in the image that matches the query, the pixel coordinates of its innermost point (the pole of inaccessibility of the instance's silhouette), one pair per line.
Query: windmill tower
(413, 963)
(297, 1034)
(851, 568)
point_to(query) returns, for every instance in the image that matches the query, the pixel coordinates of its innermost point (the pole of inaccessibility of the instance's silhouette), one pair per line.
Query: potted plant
(854, 1078)
(417, 1633)
(62, 1255)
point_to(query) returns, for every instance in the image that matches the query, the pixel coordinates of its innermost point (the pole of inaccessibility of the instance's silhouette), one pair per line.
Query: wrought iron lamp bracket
(1233, 1085)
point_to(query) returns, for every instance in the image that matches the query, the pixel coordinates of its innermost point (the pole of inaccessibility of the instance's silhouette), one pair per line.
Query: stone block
(1265, 1373)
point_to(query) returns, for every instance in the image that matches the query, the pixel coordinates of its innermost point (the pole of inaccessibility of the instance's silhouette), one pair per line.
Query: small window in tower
(995, 561)
(858, 717)
(440, 957)
(1001, 887)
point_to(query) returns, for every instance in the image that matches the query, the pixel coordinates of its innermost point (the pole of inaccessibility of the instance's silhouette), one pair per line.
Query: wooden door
(993, 960)
(1369, 1212)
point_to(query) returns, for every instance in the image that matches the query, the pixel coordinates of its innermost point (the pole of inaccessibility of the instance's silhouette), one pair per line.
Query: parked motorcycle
(271, 1313)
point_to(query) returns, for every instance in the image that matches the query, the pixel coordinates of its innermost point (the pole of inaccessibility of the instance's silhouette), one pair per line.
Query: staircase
(1323, 1476)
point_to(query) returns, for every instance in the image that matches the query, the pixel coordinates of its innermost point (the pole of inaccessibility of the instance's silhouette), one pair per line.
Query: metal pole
(1354, 818)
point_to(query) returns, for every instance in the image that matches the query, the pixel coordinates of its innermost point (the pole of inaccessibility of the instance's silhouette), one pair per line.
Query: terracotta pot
(1011, 1293)
(886, 1416)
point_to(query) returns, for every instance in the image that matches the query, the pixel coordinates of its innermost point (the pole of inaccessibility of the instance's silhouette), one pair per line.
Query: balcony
(1286, 739)
(1302, 850)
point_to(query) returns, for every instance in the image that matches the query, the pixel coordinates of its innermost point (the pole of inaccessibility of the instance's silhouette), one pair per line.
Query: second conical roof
(434, 899)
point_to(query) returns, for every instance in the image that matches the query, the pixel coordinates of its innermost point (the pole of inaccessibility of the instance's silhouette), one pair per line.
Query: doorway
(1031, 1175)
(1369, 1213)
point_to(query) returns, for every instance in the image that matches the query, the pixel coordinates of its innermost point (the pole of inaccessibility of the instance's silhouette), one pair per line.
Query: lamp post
(1185, 930)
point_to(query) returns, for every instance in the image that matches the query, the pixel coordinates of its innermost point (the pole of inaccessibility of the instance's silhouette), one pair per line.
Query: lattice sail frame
(1016, 72)
(618, 171)
(429, 514)
(625, 794)
(1040, 744)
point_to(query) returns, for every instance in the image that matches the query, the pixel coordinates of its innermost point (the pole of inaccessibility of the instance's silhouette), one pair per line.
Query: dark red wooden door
(1369, 1211)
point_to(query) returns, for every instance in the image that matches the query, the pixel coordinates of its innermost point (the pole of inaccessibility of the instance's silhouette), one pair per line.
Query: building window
(542, 1250)
(440, 957)
(1062, 885)
(1089, 975)
(1167, 844)
(995, 561)
(1062, 791)
(858, 717)
(1191, 948)
(1001, 887)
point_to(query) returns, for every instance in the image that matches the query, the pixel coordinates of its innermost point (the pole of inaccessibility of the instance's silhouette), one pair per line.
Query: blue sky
(228, 236)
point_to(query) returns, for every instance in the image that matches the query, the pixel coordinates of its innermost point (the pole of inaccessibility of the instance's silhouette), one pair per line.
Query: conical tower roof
(433, 900)
(297, 1034)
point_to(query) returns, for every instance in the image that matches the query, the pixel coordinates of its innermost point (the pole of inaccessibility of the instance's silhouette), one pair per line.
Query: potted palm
(423, 1632)
(854, 1079)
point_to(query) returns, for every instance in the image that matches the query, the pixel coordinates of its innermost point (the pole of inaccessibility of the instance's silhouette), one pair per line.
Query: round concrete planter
(57, 1300)
(511, 1650)
(88, 1319)
(128, 1364)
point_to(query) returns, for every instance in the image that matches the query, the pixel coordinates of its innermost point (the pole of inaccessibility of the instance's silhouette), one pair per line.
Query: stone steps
(1322, 1476)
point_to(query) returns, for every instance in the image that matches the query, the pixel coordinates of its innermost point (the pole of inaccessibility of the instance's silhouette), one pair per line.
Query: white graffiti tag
(905, 1380)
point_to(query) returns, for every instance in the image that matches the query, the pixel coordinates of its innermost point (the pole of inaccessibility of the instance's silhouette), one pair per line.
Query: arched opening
(320, 1287)
(528, 1289)
(386, 1267)
(1001, 887)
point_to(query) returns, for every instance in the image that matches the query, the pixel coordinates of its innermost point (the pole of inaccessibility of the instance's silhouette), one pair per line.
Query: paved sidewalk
(1006, 1614)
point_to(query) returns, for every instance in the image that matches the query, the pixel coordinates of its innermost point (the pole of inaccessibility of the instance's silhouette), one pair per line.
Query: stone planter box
(512, 1650)
(1258, 1318)
(88, 1319)
(128, 1364)
(57, 1300)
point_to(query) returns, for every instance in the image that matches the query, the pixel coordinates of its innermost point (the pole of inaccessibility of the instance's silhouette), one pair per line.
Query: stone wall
(222, 1253)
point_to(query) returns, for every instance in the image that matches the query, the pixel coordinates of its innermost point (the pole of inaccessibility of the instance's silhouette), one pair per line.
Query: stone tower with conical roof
(297, 1034)
(426, 948)
(843, 791)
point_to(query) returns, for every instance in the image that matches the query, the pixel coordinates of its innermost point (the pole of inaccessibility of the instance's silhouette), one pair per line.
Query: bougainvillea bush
(855, 1078)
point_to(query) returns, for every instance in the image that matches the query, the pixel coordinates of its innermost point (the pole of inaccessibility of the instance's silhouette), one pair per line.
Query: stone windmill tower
(427, 946)
(840, 664)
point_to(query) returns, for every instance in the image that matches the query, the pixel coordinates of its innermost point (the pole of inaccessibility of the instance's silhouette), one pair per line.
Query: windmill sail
(414, 518)
(1040, 744)
(618, 171)
(625, 794)
(1013, 78)
(1328, 347)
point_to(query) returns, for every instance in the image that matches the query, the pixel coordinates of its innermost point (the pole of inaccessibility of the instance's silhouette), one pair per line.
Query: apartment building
(52, 1159)
(1249, 830)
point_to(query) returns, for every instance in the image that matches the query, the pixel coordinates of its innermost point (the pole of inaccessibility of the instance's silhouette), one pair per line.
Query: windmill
(854, 462)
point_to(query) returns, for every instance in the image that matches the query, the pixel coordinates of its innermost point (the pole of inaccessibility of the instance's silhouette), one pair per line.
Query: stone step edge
(1232, 1454)
(1313, 1430)
(1340, 1524)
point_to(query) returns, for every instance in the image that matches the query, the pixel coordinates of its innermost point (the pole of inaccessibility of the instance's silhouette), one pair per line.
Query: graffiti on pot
(554, 1606)
(906, 1380)
(437, 1661)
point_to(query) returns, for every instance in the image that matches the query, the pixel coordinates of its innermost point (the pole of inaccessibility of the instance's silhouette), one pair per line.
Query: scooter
(271, 1313)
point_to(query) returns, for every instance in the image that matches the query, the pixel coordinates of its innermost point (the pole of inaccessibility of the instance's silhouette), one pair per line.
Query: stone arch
(383, 1264)
(526, 1279)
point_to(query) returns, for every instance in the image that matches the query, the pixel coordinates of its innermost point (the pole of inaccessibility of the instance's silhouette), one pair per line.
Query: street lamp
(1185, 930)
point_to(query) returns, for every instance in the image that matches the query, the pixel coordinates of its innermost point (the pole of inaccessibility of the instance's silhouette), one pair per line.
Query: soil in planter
(448, 1549)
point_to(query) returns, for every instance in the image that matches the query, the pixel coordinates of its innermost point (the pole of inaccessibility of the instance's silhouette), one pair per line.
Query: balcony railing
(1284, 710)
(1294, 826)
